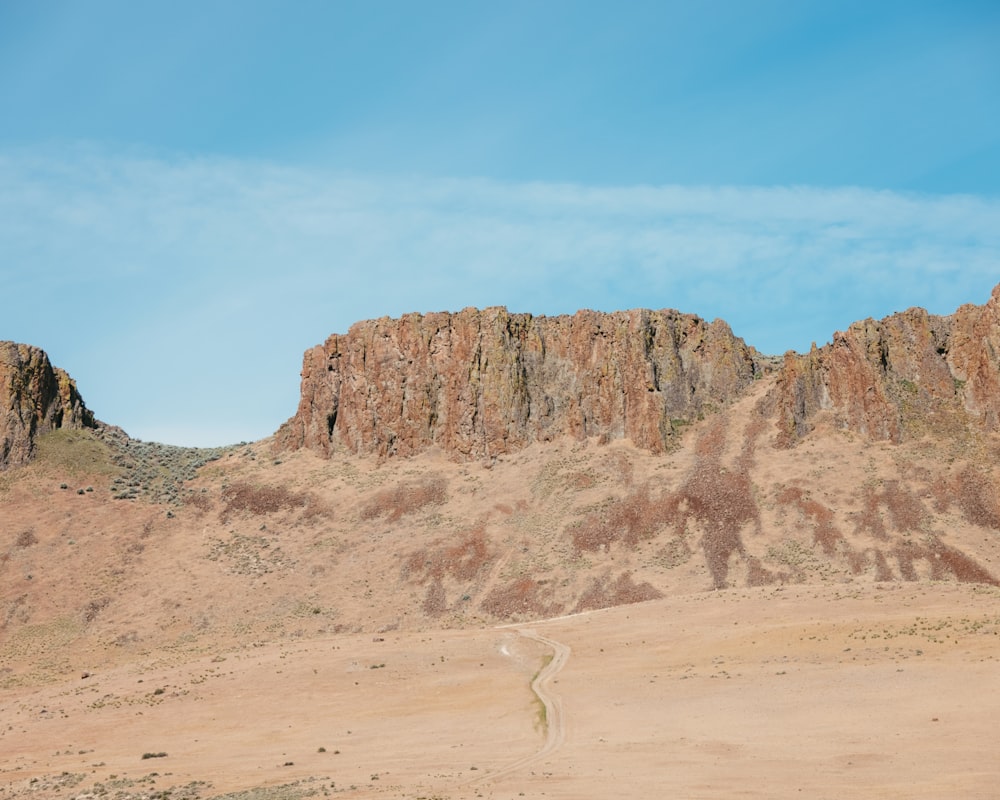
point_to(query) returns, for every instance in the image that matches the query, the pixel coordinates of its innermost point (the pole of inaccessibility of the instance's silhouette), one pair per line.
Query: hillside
(644, 474)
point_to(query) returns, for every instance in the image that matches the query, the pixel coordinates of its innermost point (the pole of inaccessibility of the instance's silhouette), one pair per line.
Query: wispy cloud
(181, 292)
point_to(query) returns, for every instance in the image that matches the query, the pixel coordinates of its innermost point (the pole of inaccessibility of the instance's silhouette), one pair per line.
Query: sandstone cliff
(35, 397)
(906, 375)
(482, 383)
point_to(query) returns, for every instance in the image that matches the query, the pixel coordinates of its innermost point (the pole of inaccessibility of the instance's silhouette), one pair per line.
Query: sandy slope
(886, 691)
(302, 627)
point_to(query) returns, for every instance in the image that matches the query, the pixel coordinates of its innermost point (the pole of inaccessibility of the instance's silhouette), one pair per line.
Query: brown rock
(482, 383)
(907, 375)
(35, 397)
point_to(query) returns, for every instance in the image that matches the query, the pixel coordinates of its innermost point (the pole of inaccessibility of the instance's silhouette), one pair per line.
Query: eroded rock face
(907, 375)
(35, 397)
(482, 383)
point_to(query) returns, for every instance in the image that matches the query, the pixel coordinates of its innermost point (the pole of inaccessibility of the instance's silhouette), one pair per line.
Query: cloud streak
(202, 280)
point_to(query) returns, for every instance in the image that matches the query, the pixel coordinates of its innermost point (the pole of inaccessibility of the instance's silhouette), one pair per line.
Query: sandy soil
(869, 692)
(284, 626)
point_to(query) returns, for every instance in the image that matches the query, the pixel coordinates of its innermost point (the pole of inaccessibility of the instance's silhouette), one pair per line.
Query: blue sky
(191, 194)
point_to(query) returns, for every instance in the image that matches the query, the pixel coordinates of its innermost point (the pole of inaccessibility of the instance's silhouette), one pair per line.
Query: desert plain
(187, 650)
(793, 591)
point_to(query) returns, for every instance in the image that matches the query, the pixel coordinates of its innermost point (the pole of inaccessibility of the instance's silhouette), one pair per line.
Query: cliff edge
(905, 376)
(35, 397)
(480, 383)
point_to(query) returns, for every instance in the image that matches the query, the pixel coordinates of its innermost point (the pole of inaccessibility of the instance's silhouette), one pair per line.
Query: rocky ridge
(479, 384)
(483, 383)
(904, 376)
(35, 397)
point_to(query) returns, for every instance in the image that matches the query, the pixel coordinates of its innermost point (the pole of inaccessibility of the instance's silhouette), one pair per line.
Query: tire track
(555, 719)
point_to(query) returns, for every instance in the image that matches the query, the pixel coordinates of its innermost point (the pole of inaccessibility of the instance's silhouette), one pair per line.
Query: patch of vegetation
(152, 471)
(523, 596)
(249, 555)
(260, 500)
(78, 452)
(65, 780)
(141, 788)
(26, 538)
(296, 790)
(791, 553)
(605, 593)
(462, 560)
(541, 712)
(636, 517)
(406, 498)
(977, 493)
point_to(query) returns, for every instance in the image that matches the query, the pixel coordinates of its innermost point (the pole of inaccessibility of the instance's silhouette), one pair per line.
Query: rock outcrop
(479, 383)
(35, 397)
(483, 383)
(907, 375)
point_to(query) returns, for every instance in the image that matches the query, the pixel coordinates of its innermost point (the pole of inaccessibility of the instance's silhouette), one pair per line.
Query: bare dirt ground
(868, 692)
(576, 620)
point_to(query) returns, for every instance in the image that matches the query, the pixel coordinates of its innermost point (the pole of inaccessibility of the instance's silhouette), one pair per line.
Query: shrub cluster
(152, 471)
(462, 560)
(979, 498)
(628, 521)
(605, 593)
(406, 498)
(523, 596)
(260, 500)
(26, 538)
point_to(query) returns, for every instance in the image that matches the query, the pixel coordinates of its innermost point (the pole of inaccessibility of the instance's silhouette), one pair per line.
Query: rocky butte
(483, 383)
(479, 384)
(35, 397)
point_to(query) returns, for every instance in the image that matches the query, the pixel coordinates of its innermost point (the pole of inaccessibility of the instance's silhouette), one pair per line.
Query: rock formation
(35, 397)
(482, 383)
(906, 375)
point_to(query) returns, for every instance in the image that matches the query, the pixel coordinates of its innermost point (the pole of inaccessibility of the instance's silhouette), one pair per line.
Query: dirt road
(555, 720)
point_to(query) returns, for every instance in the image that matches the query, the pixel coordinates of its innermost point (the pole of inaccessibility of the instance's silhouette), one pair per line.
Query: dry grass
(93, 608)
(905, 511)
(723, 503)
(719, 500)
(199, 500)
(945, 562)
(75, 452)
(436, 600)
(906, 514)
(869, 519)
